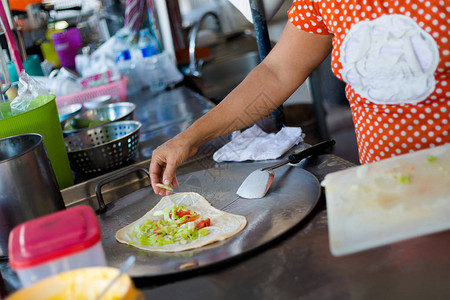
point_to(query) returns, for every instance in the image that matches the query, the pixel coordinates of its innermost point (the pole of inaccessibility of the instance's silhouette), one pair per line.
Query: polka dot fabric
(387, 130)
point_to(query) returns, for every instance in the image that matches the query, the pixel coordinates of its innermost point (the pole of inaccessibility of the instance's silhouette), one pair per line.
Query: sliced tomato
(191, 218)
(156, 231)
(182, 213)
(203, 223)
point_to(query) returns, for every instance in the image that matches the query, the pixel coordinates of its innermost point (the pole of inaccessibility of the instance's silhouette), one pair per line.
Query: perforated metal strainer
(103, 148)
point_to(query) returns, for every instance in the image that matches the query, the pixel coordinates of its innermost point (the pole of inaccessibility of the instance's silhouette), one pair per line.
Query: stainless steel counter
(298, 264)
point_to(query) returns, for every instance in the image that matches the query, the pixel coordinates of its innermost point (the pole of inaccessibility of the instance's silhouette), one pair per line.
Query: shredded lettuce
(203, 232)
(403, 178)
(431, 158)
(169, 229)
(162, 186)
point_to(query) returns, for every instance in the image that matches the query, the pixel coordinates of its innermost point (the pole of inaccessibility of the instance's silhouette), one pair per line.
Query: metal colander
(104, 114)
(103, 148)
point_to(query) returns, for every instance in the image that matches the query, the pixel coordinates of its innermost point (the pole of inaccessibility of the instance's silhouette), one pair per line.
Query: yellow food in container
(81, 284)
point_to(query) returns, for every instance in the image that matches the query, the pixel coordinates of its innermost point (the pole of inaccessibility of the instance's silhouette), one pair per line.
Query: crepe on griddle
(223, 225)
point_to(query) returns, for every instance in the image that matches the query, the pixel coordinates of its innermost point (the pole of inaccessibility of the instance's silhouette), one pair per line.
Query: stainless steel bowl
(102, 115)
(103, 148)
(98, 101)
(69, 110)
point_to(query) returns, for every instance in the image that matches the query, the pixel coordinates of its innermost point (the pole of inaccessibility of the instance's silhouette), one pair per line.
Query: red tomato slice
(191, 218)
(203, 223)
(182, 213)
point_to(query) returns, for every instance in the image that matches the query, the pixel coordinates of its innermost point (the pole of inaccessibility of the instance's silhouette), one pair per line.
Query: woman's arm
(266, 87)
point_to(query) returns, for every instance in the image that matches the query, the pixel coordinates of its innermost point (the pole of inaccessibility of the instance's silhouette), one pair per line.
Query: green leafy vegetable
(431, 158)
(403, 178)
(169, 188)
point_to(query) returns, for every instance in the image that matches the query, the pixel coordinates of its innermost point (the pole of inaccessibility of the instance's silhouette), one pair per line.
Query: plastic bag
(5, 110)
(5, 107)
(32, 94)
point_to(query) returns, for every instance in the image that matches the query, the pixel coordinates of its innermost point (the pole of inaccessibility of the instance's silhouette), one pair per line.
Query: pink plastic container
(66, 45)
(117, 90)
(61, 241)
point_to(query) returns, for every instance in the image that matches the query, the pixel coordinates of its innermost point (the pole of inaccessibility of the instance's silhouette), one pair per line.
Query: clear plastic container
(120, 45)
(152, 73)
(128, 68)
(147, 43)
(58, 242)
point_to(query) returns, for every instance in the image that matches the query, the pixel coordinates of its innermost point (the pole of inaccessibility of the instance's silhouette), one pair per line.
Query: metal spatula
(258, 182)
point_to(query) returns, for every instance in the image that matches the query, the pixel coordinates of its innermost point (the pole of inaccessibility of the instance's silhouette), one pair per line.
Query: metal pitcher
(28, 186)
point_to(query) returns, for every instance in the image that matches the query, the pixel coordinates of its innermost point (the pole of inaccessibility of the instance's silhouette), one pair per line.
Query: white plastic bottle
(147, 43)
(119, 46)
(151, 73)
(128, 68)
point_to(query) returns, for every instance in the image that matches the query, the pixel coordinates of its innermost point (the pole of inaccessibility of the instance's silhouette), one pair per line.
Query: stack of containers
(62, 241)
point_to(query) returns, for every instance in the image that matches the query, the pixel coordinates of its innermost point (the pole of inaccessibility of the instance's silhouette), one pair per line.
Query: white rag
(255, 144)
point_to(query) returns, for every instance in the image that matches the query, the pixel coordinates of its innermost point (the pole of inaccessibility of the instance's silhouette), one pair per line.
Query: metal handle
(98, 188)
(297, 157)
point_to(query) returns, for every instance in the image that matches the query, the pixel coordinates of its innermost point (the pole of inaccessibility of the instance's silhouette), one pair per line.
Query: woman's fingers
(169, 177)
(175, 182)
(156, 169)
(165, 160)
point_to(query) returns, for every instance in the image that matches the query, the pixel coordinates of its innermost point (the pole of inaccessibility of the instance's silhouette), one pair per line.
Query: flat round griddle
(292, 196)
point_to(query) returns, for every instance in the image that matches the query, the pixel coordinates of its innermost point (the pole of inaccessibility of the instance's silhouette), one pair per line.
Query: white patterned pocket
(390, 60)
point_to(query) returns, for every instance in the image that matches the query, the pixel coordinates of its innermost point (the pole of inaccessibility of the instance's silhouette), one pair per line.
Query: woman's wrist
(195, 135)
(188, 138)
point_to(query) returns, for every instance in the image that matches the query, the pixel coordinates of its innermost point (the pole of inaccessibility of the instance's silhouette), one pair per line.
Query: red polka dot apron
(395, 58)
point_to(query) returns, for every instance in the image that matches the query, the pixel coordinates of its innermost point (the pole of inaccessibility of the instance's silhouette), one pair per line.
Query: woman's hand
(165, 159)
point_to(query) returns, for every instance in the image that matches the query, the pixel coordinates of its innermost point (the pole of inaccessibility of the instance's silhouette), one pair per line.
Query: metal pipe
(319, 109)
(260, 26)
(264, 47)
(193, 68)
